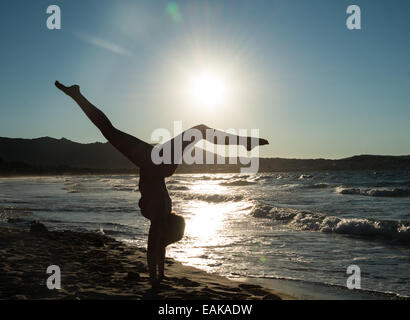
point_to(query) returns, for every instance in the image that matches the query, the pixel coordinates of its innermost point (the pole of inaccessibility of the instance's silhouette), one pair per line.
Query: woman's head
(175, 227)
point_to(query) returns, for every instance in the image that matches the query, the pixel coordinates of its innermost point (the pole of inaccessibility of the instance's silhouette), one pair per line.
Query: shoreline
(94, 266)
(308, 290)
(136, 173)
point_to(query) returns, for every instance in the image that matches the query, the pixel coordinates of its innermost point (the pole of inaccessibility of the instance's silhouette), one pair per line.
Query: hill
(56, 156)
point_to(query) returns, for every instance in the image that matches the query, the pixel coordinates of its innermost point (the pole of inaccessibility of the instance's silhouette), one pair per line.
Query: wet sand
(94, 266)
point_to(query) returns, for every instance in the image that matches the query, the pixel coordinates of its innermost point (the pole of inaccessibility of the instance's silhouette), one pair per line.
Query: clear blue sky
(312, 87)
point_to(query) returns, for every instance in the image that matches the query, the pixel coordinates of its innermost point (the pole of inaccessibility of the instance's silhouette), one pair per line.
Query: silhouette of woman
(155, 203)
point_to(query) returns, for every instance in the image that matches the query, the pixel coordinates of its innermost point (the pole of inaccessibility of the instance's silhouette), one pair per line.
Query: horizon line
(319, 158)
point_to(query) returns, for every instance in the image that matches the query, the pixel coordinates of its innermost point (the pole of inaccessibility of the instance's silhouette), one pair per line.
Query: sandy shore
(94, 266)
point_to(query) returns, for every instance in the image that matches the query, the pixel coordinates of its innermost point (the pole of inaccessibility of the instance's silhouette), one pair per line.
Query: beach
(295, 233)
(94, 266)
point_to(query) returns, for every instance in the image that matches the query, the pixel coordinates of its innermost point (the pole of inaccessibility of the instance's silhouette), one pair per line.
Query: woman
(155, 203)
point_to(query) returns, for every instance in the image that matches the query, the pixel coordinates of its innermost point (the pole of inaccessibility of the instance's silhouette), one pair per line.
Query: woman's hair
(175, 227)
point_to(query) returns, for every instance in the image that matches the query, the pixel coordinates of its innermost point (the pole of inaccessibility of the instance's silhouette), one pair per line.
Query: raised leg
(136, 150)
(212, 135)
(219, 137)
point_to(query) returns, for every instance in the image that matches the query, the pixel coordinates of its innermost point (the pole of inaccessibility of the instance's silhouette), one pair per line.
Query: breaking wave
(72, 188)
(316, 186)
(311, 221)
(264, 177)
(173, 181)
(374, 192)
(177, 187)
(125, 188)
(212, 197)
(305, 176)
(237, 183)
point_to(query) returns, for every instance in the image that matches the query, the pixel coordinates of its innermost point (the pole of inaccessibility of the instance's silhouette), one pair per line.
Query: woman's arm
(156, 253)
(161, 262)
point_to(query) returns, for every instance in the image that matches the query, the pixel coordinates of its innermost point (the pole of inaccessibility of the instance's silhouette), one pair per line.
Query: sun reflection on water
(206, 222)
(209, 228)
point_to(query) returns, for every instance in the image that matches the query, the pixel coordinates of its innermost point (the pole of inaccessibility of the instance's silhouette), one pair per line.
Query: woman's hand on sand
(70, 91)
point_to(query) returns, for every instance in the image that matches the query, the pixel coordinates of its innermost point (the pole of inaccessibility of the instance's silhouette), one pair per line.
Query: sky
(289, 68)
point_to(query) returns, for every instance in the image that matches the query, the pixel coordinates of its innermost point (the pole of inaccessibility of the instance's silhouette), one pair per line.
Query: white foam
(311, 221)
(305, 176)
(374, 192)
(212, 197)
(237, 183)
(177, 187)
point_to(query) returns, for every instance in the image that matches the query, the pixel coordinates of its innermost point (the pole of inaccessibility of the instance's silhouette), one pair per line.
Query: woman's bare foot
(254, 142)
(70, 91)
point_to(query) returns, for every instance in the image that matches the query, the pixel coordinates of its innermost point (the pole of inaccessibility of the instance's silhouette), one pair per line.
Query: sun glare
(208, 89)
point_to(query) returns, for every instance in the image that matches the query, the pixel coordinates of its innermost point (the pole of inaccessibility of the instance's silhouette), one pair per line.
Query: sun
(208, 89)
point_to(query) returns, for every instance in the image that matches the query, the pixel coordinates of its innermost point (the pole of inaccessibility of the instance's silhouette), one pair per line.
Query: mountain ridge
(55, 155)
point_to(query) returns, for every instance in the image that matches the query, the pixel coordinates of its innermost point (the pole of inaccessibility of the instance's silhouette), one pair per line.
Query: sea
(301, 232)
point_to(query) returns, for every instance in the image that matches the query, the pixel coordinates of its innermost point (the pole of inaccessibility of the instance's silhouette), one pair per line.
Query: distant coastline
(49, 156)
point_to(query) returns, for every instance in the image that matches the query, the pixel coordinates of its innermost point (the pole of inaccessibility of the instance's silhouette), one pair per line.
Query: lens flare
(174, 12)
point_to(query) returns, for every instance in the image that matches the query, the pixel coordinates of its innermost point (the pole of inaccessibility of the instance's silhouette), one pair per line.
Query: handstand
(155, 203)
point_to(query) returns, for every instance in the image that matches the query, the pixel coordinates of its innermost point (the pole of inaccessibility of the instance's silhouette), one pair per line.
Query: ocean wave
(122, 185)
(222, 177)
(22, 209)
(15, 214)
(374, 192)
(213, 197)
(173, 181)
(237, 183)
(392, 183)
(73, 188)
(177, 187)
(305, 176)
(316, 186)
(263, 177)
(102, 209)
(210, 177)
(12, 201)
(311, 221)
(125, 188)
